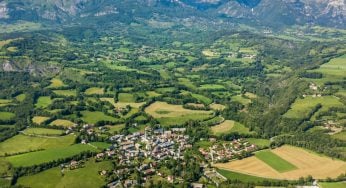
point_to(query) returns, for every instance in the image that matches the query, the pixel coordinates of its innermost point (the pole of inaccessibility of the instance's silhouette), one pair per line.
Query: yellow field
(56, 82)
(215, 106)
(308, 163)
(39, 119)
(224, 127)
(62, 122)
(163, 109)
(122, 104)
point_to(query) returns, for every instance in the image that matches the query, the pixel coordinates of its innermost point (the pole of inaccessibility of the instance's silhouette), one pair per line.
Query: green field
(55, 83)
(241, 129)
(43, 131)
(241, 177)
(43, 102)
(169, 121)
(20, 97)
(62, 123)
(334, 70)
(23, 143)
(39, 119)
(212, 87)
(5, 102)
(82, 177)
(94, 117)
(66, 93)
(302, 107)
(275, 161)
(6, 116)
(202, 98)
(332, 184)
(259, 142)
(126, 97)
(39, 157)
(340, 136)
(94, 91)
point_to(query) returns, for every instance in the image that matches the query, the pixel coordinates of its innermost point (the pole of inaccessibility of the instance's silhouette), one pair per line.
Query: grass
(67, 93)
(6, 116)
(202, 99)
(39, 157)
(224, 127)
(241, 99)
(71, 178)
(56, 83)
(23, 143)
(212, 87)
(332, 184)
(94, 117)
(334, 70)
(241, 129)
(39, 119)
(241, 177)
(213, 121)
(340, 136)
(21, 97)
(126, 97)
(101, 145)
(116, 128)
(62, 123)
(43, 102)
(94, 91)
(302, 107)
(43, 131)
(5, 102)
(169, 121)
(259, 142)
(275, 161)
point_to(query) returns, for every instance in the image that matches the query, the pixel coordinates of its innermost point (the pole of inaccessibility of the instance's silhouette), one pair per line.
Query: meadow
(66, 93)
(94, 91)
(71, 178)
(56, 83)
(126, 97)
(306, 162)
(6, 115)
(39, 119)
(22, 143)
(62, 123)
(43, 131)
(39, 157)
(332, 184)
(302, 107)
(94, 117)
(223, 127)
(43, 102)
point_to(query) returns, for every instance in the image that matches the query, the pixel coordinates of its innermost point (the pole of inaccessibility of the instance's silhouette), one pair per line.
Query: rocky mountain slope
(264, 12)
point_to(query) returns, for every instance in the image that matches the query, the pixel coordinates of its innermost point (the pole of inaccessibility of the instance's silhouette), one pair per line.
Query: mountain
(264, 12)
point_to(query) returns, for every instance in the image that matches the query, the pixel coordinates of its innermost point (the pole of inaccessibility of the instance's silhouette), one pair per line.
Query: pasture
(302, 107)
(43, 102)
(39, 157)
(126, 98)
(215, 106)
(43, 131)
(72, 178)
(67, 93)
(62, 123)
(212, 87)
(122, 104)
(334, 70)
(223, 127)
(56, 83)
(94, 117)
(6, 116)
(94, 91)
(23, 143)
(5, 102)
(39, 119)
(340, 136)
(275, 161)
(202, 98)
(332, 184)
(306, 163)
(20, 97)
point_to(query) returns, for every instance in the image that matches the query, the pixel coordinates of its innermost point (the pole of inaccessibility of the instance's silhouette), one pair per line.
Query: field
(23, 143)
(241, 177)
(307, 163)
(215, 106)
(202, 98)
(302, 107)
(211, 87)
(65, 92)
(223, 127)
(122, 104)
(241, 129)
(21, 97)
(275, 161)
(94, 91)
(56, 83)
(259, 142)
(340, 136)
(94, 117)
(168, 114)
(71, 178)
(63, 123)
(43, 102)
(6, 115)
(126, 97)
(39, 157)
(43, 131)
(334, 70)
(5, 102)
(39, 119)
(332, 184)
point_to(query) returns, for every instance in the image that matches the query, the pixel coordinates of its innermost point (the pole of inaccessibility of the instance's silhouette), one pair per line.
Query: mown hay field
(307, 163)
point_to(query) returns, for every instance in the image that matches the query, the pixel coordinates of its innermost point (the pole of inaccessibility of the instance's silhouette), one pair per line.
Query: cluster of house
(228, 150)
(154, 145)
(313, 87)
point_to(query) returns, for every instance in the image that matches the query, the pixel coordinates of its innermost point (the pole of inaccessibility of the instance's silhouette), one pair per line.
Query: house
(197, 185)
